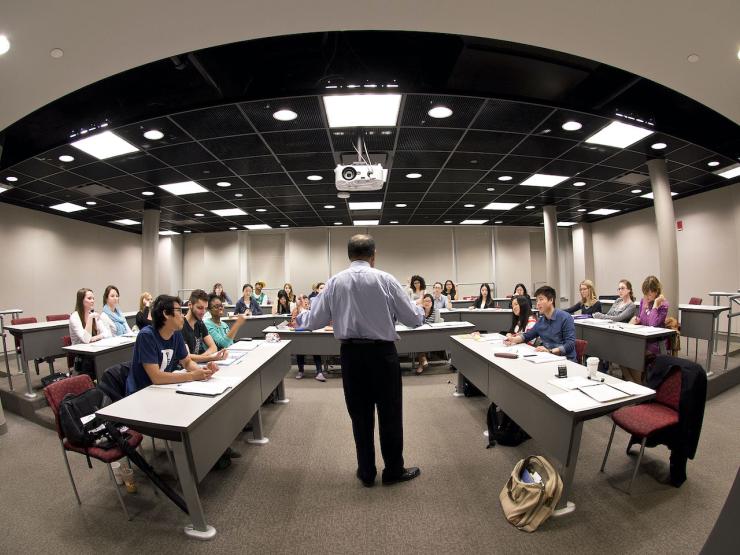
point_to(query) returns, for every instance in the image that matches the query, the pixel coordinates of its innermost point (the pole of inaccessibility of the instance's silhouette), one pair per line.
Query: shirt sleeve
(626, 314)
(656, 318)
(406, 312)
(320, 313)
(569, 337)
(77, 332)
(533, 332)
(218, 334)
(147, 348)
(575, 308)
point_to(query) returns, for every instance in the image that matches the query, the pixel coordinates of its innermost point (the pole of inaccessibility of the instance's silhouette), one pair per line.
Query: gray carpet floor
(298, 494)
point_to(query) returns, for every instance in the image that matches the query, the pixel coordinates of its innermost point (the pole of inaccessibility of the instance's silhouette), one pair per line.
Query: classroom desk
(13, 313)
(462, 303)
(106, 352)
(489, 319)
(623, 344)
(717, 295)
(699, 321)
(423, 339)
(255, 324)
(606, 305)
(201, 428)
(521, 389)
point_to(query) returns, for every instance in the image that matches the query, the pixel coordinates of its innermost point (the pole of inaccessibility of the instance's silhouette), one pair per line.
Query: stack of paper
(539, 358)
(603, 393)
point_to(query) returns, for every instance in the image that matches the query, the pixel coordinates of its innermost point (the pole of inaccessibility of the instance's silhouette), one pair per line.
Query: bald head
(361, 247)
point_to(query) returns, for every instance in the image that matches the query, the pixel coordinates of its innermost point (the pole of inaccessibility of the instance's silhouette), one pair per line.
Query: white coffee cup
(592, 363)
(116, 466)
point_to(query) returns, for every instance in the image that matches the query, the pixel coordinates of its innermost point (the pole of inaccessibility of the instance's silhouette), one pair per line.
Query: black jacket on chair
(113, 381)
(683, 438)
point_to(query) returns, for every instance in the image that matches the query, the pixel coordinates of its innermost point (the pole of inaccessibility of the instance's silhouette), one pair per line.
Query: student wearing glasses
(440, 300)
(589, 303)
(418, 288)
(431, 315)
(449, 291)
(624, 308)
(222, 335)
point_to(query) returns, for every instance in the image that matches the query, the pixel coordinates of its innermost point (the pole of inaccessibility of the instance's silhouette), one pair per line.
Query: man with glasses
(222, 335)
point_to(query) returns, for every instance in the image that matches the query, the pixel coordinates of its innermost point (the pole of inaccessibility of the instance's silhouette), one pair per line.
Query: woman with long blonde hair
(589, 303)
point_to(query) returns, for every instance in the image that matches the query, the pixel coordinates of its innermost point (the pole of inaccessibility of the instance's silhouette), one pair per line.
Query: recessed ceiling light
(505, 178)
(337, 223)
(184, 188)
(148, 193)
(581, 209)
(233, 228)
(153, 134)
(254, 227)
(226, 212)
(283, 225)
(365, 222)
(529, 207)
(365, 205)
(104, 145)
(3, 189)
(394, 221)
(285, 115)
(314, 178)
(729, 172)
(238, 195)
(448, 221)
(362, 110)
(693, 58)
(56, 53)
(91, 203)
(544, 180)
(619, 135)
(473, 222)
(66, 158)
(223, 184)
(4, 44)
(658, 146)
(635, 191)
(713, 163)
(168, 232)
(652, 197)
(603, 212)
(261, 210)
(68, 207)
(490, 189)
(413, 175)
(572, 126)
(440, 112)
(469, 205)
(199, 214)
(566, 224)
(329, 206)
(498, 222)
(11, 178)
(500, 206)
(187, 231)
(579, 184)
(125, 221)
(401, 205)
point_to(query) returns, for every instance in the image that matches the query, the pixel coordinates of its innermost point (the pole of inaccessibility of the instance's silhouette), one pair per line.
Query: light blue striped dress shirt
(362, 303)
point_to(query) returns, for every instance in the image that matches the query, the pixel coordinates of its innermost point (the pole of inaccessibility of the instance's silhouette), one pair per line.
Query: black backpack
(469, 390)
(79, 423)
(503, 430)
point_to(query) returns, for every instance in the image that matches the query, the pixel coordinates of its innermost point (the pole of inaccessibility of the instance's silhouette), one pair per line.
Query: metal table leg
(199, 529)
(5, 352)
(459, 392)
(256, 423)
(716, 327)
(24, 363)
(281, 398)
(568, 472)
(708, 367)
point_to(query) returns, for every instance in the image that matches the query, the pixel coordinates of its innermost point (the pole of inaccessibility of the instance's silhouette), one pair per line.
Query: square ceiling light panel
(226, 212)
(473, 222)
(68, 207)
(729, 172)
(500, 206)
(619, 135)
(566, 224)
(184, 188)
(362, 110)
(365, 205)
(168, 232)
(604, 212)
(254, 227)
(104, 145)
(125, 221)
(366, 222)
(544, 180)
(651, 197)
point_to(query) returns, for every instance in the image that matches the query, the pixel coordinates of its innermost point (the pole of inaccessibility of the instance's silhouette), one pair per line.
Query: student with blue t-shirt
(555, 327)
(160, 347)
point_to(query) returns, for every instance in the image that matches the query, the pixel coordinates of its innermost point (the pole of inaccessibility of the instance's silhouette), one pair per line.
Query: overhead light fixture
(470, 206)
(261, 210)
(448, 221)
(362, 110)
(498, 222)
(581, 209)
(314, 178)
(365, 205)
(505, 178)
(125, 221)
(199, 214)
(365, 222)
(619, 135)
(233, 228)
(603, 212)
(652, 197)
(343, 194)
(66, 158)
(68, 207)
(413, 175)
(56, 53)
(544, 180)
(187, 231)
(148, 193)
(11, 179)
(566, 224)
(394, 221)
(238, 195)
(490, 189)
(104, 145)
(4, 44)
(572, 126)
(473, 222)
(635, 191)
(713, 164)
(579, 184)
(285, 115)
(500, 206)
(226, 212)
(529, 207)
(168, 232)
(658, 146)
(255, 227)
(184, 188)
(223, 184)
(337, 223)
(153, 135)
(401, 205)
(329, 206)
(91, 203)
(3, 189)
(283, 225)
(729, 172)
(440, 112)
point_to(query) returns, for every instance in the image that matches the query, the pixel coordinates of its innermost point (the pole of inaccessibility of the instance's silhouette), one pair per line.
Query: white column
(149, 251)
(551, 250)
(243, 248)
(583, 253)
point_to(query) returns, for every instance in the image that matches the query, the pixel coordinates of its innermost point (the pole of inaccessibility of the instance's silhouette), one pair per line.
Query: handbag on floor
(531, 493)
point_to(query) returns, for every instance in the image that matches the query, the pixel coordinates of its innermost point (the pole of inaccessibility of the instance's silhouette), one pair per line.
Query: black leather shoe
(405, 476)
(366, 483)
(232, 454)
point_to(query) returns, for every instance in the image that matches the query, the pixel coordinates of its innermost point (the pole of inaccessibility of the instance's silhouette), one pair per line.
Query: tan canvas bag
(526, 505)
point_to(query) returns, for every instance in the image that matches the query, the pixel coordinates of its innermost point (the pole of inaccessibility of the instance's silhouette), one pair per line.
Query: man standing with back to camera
(364, 304)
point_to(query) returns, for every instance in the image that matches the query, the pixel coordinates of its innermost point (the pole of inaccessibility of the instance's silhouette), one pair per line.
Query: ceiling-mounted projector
(360, 177)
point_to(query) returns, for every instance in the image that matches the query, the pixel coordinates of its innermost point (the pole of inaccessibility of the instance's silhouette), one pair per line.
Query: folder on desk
(603, 393)
(207, 388)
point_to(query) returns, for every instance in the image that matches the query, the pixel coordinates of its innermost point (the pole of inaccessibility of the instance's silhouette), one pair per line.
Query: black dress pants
(371, 375)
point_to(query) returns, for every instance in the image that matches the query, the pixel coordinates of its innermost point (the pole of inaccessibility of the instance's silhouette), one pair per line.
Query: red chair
(695, 300)
(67, 342)
(55, 393)
(581, 346)
(19, 340)
(56, 317)
(647, 419)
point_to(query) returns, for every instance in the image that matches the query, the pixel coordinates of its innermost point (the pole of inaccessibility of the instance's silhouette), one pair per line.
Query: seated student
(449, 291)
(555, 328)
(200, 344)
(92, 329)
(303, 303)
(624, 307)
(440, 300)
(222, 335)
(484, 299)
(259, 295)
(218, 290)
(160, 347)
(247, 303)
(112, 318)
(520, 291)
(143, 318)
(418, 288)
(288, 288)
(316, 289)
(589, 303)
(283, 305)
(431, 315)
(522, 318)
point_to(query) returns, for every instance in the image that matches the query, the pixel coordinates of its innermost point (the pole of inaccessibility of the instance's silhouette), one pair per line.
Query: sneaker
(299, 376)
(320, 376)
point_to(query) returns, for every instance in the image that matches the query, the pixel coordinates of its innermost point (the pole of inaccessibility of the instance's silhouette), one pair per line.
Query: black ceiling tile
(564, 167)
(319, 189)
(601, 173)
(307, 108)
(544, 147)
(418, 160)
(489, 141)
(97, 171)
(415, 138)
(472, 161)
(690, 154)
(708, 180)
(460, 176)
(589, 125)
(279, 191)
(672, 144)
(417, 106)
(450, 187)
(39, 187)
(115, 198)
(18, 194)
(288, 142)
(162, 176)
(181, 154)
(375, 139)
(591, 154)
(134, 133)
(236, 147)
(133, 204)
(51, 157)
(302, 162)
(408, 187)
(522, 164)
(256, 164)
(627, 160)
(268, 180)
(502, 115)
(136, 162)
(219, 121)
(686, 172)
(67, 195)
(301, 178)
(32, 168)
(66, 179)
(442, 197)
(724, 161)
(206, 170)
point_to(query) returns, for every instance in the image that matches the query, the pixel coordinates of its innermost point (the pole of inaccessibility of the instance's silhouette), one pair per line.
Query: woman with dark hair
(522, 319)
(418, 288)
(283, 305)
(218, 289)
(484, 299)
(288, 288)
(431, 315)
(84, 324)
(112, 318)
(520, 290)
(450, 291)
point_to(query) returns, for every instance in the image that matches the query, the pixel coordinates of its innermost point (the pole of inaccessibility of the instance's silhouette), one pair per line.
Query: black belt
(363, 341)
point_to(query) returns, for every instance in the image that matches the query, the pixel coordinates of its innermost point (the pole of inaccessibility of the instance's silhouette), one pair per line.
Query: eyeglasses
(623, 288)
(217, 306)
